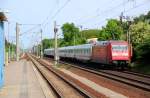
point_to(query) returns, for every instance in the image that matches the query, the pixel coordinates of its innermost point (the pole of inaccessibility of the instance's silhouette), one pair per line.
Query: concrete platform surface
(21, 81)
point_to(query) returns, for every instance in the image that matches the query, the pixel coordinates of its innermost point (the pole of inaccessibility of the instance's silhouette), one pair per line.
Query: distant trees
(72, 35)
(87, 34)
(143, 18)
(11, 45)
(47, 43)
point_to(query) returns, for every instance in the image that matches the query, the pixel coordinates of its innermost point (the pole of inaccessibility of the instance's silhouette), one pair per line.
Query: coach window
(75, 50)
(85, 52)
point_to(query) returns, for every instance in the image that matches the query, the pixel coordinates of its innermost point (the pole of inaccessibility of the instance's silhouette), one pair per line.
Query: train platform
(22, 80)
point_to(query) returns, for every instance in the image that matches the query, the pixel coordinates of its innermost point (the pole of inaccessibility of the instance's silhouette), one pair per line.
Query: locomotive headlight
(114, 62)
(119, 54)
(124, 54)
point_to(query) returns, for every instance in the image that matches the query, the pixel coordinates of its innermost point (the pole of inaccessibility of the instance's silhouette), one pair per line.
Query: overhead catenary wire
(31, 29)
(57, 12)
(36, 25)
(128, 10)
(49, 14)
(43, 23)
(103, 12)
(85, 16)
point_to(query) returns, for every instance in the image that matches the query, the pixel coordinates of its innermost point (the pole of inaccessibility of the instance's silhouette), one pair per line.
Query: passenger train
(117, 53)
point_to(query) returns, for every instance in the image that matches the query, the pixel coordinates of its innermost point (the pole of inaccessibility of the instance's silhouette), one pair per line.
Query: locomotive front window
(119, 47)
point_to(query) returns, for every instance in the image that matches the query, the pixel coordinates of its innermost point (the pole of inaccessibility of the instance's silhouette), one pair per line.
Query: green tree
(140, 38)
(139, 32)
(104, 35)
(71, 35)
(112, 31)
(143, 50)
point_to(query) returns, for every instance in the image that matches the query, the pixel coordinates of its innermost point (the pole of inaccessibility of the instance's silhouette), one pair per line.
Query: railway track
(71, 91)
(119, 77)
(137, 74)
(130, 78)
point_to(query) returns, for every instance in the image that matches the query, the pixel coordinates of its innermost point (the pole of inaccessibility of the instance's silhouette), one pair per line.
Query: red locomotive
(112, 52)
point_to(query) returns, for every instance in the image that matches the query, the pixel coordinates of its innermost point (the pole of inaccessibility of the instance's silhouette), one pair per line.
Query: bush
(143, 50)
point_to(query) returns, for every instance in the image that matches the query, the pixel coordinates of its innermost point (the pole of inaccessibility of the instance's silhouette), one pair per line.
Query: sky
(90, 14)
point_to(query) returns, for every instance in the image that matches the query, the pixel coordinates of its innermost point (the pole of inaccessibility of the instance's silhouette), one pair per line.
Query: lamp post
(17, 42)
(129, 21)
(8, 44)
(41, 44)
(55, 48)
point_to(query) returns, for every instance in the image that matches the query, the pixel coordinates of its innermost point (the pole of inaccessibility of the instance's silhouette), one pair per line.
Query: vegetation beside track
(142, 68)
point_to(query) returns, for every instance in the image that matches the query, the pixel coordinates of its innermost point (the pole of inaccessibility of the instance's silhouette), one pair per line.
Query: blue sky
(90, 14)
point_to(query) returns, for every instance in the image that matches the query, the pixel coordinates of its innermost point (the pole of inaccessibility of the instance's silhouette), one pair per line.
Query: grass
(141, 67)
(65, 66)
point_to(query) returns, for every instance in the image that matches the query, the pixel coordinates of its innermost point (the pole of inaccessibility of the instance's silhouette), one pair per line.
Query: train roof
(77, 46)
(48, 49)
(108, 42)
(72, 47)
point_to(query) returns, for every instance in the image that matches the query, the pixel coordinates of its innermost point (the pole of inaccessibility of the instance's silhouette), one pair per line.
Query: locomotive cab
(120, 54)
